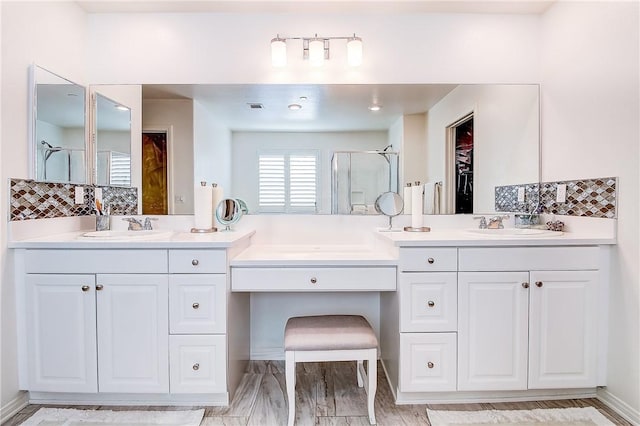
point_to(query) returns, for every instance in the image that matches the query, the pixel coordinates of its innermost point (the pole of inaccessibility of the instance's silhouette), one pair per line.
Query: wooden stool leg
(290, 378)
(372, 376)
(359, 365)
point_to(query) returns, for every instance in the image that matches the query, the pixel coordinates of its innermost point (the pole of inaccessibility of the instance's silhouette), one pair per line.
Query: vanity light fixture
(315, 49)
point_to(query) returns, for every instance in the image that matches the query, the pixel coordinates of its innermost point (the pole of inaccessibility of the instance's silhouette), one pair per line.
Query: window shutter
(271, 194)
(120, 170)
(302, 183)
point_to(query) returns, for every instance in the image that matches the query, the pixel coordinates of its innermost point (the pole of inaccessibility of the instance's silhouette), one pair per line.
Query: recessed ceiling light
(121, 108)
(303, 98)
(255, 105)
(375, 107)
(295, 107)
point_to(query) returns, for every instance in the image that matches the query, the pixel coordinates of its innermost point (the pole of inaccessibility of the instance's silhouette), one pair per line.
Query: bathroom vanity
(167, 320)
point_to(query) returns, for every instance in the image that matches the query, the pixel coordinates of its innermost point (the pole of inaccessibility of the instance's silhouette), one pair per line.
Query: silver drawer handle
(313, 280)
(85, 288)
(196, 366)
(430, 260)
(196, 305)
(195, 262)
(430, 364)
(431, 303)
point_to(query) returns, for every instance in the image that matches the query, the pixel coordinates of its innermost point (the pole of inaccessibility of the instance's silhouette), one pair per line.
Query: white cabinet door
(563, 329)
(61, 333)
(133, 333)
(428, 301)
(492, 330)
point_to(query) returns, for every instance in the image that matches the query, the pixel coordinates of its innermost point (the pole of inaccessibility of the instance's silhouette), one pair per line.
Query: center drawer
(425, 259)
(314, 279)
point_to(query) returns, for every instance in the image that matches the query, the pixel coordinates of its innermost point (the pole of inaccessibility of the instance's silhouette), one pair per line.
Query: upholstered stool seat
(331, 338)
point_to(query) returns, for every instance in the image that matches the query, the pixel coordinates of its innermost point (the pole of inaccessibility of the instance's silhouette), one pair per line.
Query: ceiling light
(278, 52)
(295, 107)
(303, 99)
(315, 49)
(121, 108)
(354, 51)
(375, 107)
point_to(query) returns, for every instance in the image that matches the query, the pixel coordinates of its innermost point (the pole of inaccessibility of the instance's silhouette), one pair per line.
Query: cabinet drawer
(119, 261)
(314, 279)
(197, 303)
(197, 364)
(428, 362)
(197, 261)
(428, 301)
(428, 259)
(529, 258)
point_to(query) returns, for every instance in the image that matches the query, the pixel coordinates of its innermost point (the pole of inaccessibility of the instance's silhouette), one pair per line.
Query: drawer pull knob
(85, 288)
(196, 305)
(430, 260)
(539, 284)
(196, 366)
(313, 280)
(430, 364)
(99, 287)
(525, 285)
(195, 262)
(431, 303)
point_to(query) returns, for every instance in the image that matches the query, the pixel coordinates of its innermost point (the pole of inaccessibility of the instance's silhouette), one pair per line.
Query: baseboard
(619, 406)
(14, 406)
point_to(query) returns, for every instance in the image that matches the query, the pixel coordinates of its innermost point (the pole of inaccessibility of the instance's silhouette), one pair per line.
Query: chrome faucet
(495, 222)
(147, 223)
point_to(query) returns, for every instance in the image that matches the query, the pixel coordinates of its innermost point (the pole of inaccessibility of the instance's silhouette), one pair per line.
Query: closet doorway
(460, 143)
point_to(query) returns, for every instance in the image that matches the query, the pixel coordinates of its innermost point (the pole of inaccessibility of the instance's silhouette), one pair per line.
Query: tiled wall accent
(585, 197)
(39, 200)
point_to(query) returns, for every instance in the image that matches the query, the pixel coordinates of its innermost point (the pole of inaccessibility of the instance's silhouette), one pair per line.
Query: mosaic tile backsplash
(40, 200)
(585, 197)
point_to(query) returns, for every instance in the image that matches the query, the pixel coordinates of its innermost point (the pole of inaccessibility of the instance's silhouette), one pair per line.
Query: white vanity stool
(331, 338)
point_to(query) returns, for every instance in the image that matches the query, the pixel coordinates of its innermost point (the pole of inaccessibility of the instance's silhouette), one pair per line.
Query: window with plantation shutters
(120, 169)
(288, 182)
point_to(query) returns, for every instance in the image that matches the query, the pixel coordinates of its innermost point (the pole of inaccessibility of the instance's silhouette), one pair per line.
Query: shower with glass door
(359, 177)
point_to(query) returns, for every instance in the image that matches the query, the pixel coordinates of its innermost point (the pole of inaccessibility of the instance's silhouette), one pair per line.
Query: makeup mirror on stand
(389, 204)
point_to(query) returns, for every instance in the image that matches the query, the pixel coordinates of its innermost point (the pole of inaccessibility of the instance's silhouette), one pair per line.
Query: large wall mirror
(58, 137)
(112, 133)
(467, 139)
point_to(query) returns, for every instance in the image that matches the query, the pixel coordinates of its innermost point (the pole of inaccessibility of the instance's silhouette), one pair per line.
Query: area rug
(73, 417)
(587, 416)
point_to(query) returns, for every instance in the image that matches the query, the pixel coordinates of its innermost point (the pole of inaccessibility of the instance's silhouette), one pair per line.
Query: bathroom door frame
(168, 130)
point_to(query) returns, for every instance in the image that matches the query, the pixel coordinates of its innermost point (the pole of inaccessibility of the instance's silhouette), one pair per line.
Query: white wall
(414, 148)
(590, 128)
(505, 137)
(211, 149)
(178, 115)
(52, 35)
(247, 145)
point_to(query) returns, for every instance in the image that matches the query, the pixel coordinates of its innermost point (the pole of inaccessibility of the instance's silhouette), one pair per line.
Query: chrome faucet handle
(483, 222)
(134, 224)
(495, 222)
(147, 223)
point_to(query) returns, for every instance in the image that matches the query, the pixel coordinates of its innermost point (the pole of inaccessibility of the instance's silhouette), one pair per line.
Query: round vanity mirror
(228, 212)
(389, 204)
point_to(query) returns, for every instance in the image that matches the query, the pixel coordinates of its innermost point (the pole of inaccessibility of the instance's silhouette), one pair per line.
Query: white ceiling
(337, 107)
(315, 6)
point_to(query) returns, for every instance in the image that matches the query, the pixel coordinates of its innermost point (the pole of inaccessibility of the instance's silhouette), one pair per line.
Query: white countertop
(314, 255)
(464, 238)
(169, 239)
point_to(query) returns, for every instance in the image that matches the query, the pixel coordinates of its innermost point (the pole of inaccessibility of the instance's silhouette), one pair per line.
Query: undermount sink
(514, 232)
(126, 235)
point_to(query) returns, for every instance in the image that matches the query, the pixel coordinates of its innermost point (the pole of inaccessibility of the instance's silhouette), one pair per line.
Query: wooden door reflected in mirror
(154, 173)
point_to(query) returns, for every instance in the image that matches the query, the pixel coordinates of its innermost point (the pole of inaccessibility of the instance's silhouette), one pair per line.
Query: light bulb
(354, 51)
(278, 52)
